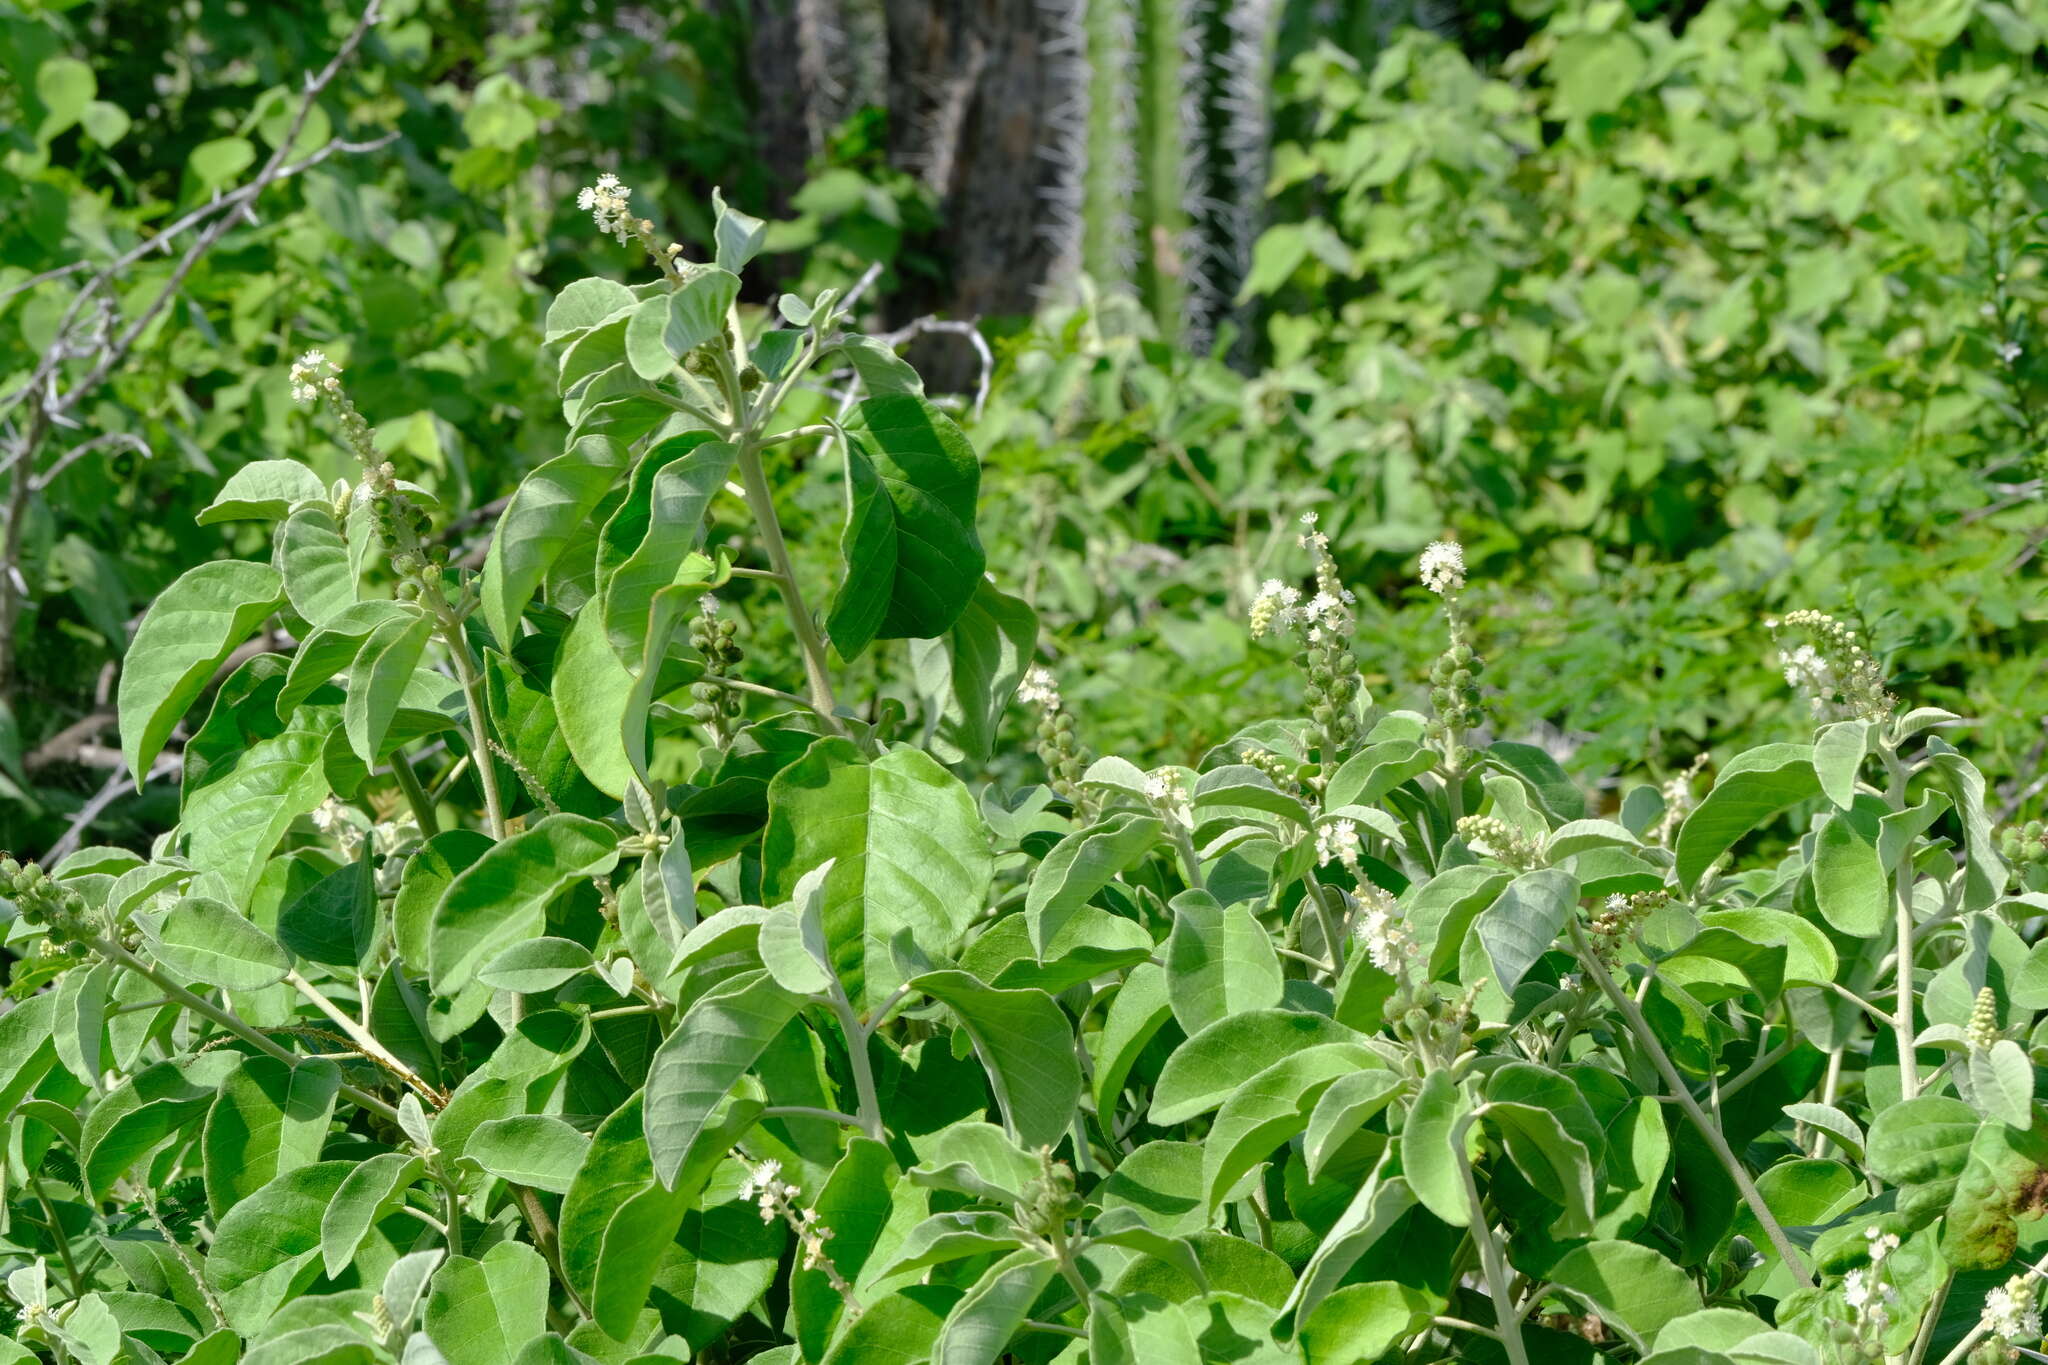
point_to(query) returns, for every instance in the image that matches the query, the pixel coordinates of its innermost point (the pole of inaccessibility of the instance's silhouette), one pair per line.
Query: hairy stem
(415, 794)
(479, 725)
(1493, 1266)
(761, 503)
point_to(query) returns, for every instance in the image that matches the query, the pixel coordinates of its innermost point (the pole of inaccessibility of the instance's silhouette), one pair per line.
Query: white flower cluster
(606, 203)
(1279, 607)
(1834, 668)
(2011, 1312)
(1337, 842)
(1387, 942)
(313, 374)
(1164, 789)
(1443, 567)
(1312, 539)
(777, 1198)
(1865, 1290)
(1040, 688)
(2008, 351)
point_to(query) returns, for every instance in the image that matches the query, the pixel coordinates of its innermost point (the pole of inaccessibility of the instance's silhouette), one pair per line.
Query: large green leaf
(592, 690)
(263, 490)
(213, 943)
(1432, 1153)
(1524, 921)
(1027, 1045)
(1629, 1285)
(1206, 1069)
(137, 1116)
(186, 634)
(989, 1314)
(482, 1312)
(309, 551)
(378, 678)
(1753, 787)
(652, 532)
(1850, 887)
(501, 897)
(908, 847)
(233, 822)
(266, 1249)
(668, 326)
(1082, 864)
(269, 1117)
(1271, 1108)
(968, 675)
(913, 558)
(547, 509)
(1219, 962)
(373, 1189)
(718, 1040)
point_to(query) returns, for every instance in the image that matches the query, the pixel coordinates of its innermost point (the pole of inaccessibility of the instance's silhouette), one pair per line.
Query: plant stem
(205, 1008)
(810, 1111)
(857, 1057)
(415, 794)
(1493, 1266)
(365, 1040)
(761, 503)
(1681, 1092)
(55, 1225)
(1902, 910)
(479, 726)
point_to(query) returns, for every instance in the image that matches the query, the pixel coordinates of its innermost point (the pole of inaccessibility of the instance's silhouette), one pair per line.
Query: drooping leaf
(545, 512)
(211, 942)
(481, 1312)
(718, 1040)
(1753, 787)
(263, 490)
(1026, 1043)
(268, 1118)
(1219, 962)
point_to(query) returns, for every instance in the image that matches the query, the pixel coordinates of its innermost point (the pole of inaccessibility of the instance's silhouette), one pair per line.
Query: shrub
(527, 980)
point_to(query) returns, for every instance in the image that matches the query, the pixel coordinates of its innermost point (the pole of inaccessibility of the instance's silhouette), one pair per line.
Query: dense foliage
(641, 831)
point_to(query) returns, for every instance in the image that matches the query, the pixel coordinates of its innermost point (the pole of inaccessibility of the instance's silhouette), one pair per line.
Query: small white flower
(1443, 567)
(1040, 688)
(2009, 351)
(1882, 1244)
(2010, 1311)
(1989, 310)
(606, 203)
(1337, 842)
(1163, 789)
(1387, 943)
(313, 372)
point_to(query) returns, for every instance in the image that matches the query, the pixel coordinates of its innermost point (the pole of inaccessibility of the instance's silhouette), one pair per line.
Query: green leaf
(583, 304)
(668, 326)
(1141, 1008)
(233, 822)
(1082, 864)
(1344, 1109)
(1219, 962)
(1524, 921)
(135, 1118)
(913, 558)
(334, 921)
(1849, 882)
(502, 897)
(333, 646)
(1921, 1141)
(1027, 1046)
(1362, 1323)
(649, 537)
(868, 1206)
(1809, 957)
(266, 1249)
(1381, 1202)
(1204, 1070)
(1540, 773)
(1375, 770)
(988, 1315)
(738, 235)
(953, 1236)
(1596, 72)
(2002, 1083)
(65, 86)
(592, 690)
(1753, 787)
(536, 966)
(1630, 1286)
(269, 1118)
(27, 1048)
(1271, 1108)
(968, 675)
(482, 1312)
(547, 509)
(1555, 1162)
(309, 551)
(185, 636)
(372, 1190)
(718, 1040)
(213, 943)
(378, 678)
(908, 847)
(529, 1149)
(1837, 755)
(1432, 1155)
(264, 490)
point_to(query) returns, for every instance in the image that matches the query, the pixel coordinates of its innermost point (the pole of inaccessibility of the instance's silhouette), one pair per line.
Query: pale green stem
(1493, 1266)
(479, 726)
(1632, 1013)
(1902, 909)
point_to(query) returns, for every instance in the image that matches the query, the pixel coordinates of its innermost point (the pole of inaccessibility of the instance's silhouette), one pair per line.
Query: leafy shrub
(512, 989)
